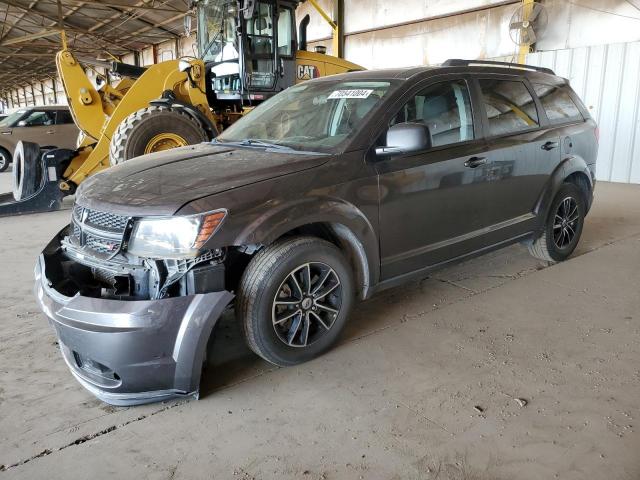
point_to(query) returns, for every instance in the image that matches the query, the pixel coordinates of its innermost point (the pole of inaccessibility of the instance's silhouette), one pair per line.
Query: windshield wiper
(262, 143)
(253, 142)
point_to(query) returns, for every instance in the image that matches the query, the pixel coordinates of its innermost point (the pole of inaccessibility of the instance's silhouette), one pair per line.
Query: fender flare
(190, 348)
(169, 100)
(567, 167)
(347, 224)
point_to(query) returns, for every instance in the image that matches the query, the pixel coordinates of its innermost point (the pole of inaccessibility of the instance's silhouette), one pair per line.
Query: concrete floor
(424, 384)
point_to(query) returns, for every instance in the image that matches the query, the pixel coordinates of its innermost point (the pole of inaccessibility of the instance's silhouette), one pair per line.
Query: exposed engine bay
(92, 261)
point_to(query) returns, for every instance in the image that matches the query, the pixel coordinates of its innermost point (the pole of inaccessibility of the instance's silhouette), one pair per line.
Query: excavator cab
(249, 50)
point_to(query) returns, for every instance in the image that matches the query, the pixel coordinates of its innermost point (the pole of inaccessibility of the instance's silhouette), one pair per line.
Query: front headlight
(174, 237)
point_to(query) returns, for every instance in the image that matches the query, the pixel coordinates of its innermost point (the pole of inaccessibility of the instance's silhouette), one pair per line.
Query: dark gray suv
(327, 193)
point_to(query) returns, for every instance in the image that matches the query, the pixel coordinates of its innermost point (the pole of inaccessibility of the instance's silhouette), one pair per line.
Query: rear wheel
(5, 159)
(563, 226)
(27, 171)
(154, 129)
(294, 299)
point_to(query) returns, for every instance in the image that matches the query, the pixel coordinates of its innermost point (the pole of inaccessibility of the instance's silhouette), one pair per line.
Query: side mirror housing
(405, 138)
(22, 123)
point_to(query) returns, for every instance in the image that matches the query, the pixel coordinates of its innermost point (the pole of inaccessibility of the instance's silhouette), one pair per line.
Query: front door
(260, 49)
(433, 202)
(66, 131)
(37, 127)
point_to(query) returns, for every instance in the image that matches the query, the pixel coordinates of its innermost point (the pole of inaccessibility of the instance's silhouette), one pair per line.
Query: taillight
(597, 133)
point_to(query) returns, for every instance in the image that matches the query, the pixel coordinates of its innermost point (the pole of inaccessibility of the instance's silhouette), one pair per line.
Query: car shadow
(229, 360)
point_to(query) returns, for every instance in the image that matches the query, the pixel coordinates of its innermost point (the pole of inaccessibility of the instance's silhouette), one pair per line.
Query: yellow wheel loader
(248, 52)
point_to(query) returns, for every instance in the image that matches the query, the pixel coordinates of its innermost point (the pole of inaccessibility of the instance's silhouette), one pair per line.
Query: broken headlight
(174, 237)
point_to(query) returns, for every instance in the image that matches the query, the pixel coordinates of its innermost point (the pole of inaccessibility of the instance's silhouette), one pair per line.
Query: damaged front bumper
(132, 352)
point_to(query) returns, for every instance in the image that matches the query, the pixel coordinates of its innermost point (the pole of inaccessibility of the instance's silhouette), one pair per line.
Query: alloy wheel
(565, 222)
(306, 304)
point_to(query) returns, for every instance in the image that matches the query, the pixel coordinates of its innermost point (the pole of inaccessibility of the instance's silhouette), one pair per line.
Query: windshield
(217, 38)
(13, 118)
(318, 116)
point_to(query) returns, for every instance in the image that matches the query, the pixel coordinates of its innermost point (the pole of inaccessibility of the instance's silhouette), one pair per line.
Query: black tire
(136, 131)
(561, 235)
(261, 287)
(27, 170)
(5, 159)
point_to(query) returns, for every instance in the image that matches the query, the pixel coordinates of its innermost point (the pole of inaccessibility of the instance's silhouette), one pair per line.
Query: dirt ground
(497, 368)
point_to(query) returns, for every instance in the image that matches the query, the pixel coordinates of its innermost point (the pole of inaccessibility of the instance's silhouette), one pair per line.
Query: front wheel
(5, 159)
(294, 299)
(563, 226)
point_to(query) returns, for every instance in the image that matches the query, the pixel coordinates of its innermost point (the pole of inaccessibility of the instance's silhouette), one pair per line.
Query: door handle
(8, 132)
(474, 162)
(50, 132)
(550, 146)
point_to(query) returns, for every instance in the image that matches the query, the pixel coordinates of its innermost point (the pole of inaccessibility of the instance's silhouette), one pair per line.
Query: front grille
(100, 244)
(101, 232)
(106, 221)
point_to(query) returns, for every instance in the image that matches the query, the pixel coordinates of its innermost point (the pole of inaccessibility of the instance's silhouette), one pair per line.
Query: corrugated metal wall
(607, 78)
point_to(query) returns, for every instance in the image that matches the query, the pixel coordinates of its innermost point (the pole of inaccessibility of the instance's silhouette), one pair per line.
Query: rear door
(66, 135)
(522, 152)
(432, 202)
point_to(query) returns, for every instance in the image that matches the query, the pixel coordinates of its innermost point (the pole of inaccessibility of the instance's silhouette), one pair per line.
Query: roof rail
(457, 62)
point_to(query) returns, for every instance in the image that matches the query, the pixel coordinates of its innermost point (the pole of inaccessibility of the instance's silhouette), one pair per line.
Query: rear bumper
(132, 352)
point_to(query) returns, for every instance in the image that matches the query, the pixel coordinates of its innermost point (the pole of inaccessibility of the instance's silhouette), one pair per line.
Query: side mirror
(404, 138)
(22, 123)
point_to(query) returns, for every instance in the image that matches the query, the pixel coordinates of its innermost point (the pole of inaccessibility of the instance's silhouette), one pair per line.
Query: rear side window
(445, 108)
(509, 105)
(63, 117)
(557, 103)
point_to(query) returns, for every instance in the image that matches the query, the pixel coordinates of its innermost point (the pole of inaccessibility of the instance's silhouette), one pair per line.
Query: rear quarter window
(557, 103)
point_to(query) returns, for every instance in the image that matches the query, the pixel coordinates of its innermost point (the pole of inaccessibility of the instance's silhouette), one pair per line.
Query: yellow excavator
(248, 52)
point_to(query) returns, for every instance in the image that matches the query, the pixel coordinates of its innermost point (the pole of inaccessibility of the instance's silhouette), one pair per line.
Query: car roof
(452, 66)
(45, 107)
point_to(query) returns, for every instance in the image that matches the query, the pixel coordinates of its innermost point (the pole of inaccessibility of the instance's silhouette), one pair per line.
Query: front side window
(445, 108)
(38, 119)
(285, 29)
(557, 103)
(320, 116)
(217, 26)
(509, 105)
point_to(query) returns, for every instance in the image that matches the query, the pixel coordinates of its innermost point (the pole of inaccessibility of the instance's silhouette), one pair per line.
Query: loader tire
(27, 170)
(153, 129)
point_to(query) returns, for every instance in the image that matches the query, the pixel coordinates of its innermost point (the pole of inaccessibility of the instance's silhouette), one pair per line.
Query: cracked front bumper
(132, 352)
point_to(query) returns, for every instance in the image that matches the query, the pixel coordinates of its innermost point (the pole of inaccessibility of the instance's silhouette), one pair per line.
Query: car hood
(161, 183)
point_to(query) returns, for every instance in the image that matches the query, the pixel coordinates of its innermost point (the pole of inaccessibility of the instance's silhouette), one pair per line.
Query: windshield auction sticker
(350, 94)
